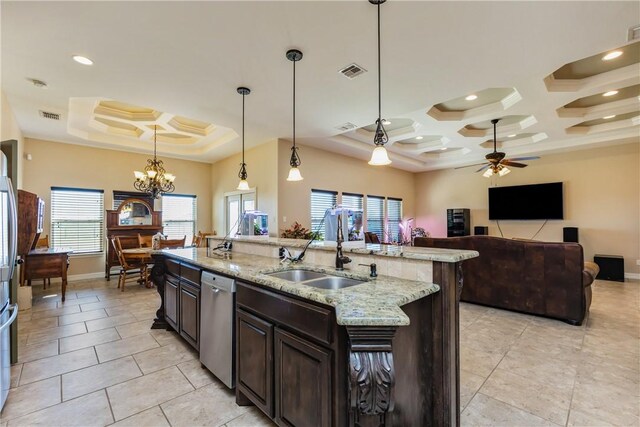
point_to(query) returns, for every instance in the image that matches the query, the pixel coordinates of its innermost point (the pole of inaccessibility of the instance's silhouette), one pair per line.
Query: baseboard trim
(76, 277)
(632, 276)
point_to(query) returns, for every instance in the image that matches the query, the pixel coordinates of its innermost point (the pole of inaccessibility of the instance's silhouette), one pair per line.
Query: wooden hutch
(38, 263)
(132, 217)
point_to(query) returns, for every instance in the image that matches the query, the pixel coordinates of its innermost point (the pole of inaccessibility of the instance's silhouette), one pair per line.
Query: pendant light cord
(243, 128)
(494, 136)
(379, 72)
(294, 104)
(155, 131)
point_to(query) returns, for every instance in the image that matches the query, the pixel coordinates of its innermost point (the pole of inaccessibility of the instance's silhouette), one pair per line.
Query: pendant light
(243, 185)
(294, 56)
(154, 180)
(379, 157)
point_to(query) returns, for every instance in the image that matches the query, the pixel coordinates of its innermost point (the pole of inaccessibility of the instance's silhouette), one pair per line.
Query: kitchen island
(382, 352)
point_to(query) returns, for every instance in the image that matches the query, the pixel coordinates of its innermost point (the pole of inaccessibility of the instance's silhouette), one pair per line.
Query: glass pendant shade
(488, 173)
(243, 185)
(379, 157)
(294, 174)
(504, 170)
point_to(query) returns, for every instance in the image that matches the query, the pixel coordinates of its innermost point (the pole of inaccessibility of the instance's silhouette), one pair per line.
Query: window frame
(194, 221)
(389, 221)
(315, 221)
(380, 235)
(55, 221)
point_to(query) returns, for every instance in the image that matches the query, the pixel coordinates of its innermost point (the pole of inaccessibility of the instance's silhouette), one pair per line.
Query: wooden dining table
(139, 255)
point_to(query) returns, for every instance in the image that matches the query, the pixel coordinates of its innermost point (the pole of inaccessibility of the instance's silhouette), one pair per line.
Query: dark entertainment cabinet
(458, 222)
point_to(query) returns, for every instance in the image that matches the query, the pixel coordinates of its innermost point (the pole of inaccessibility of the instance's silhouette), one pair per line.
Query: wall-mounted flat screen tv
(537, 201)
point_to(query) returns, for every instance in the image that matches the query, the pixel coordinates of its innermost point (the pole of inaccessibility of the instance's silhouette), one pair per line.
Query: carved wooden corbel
(371, 372)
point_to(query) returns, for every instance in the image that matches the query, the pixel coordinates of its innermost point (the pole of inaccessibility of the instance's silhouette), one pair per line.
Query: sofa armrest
(589, 273)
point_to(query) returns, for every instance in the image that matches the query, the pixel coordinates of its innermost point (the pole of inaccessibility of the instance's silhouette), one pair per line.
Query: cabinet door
(171, 302)
(302, 382)
(254, 354)
(190, 314)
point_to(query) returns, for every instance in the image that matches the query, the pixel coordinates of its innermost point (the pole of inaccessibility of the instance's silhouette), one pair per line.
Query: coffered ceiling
(536, 65)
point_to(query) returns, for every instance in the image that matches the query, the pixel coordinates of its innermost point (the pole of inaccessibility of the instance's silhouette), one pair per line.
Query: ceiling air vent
(49, 115)
(345, 127)
(634, 33)
(352, 70)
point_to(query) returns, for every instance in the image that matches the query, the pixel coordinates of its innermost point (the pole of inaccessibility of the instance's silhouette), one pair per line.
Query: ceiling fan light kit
(497, 162)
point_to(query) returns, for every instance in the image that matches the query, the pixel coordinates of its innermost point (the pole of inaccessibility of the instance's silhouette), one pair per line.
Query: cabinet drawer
(308, 319)
(173, 267)
(190, 274)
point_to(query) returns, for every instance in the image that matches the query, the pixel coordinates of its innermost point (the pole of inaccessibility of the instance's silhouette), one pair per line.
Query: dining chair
(43, 242)
(196, 241)
(144, 241)
(172, 243)
(129, 268)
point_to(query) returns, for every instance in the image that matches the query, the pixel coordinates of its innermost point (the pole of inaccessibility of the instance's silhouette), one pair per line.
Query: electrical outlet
(284, 219)
(638, 261)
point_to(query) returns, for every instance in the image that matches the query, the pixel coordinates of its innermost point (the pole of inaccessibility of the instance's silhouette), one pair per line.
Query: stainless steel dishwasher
(217, 326)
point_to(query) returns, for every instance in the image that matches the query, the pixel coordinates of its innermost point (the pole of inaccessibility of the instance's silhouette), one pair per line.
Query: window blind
(321, 200)
(394, 216)
(352, 201)
(121, 196)
(179, 216)
(77, 219)
(375, 216)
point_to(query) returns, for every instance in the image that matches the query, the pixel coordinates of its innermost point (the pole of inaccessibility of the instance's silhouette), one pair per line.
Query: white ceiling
(188, 58)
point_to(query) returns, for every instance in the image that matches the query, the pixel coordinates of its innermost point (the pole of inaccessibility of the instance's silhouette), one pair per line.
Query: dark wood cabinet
(171, 299)
(190, 314)
(182, 300)
(255, 360)
(302, 382)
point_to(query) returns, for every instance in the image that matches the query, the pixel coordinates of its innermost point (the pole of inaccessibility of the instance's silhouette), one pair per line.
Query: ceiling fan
(497, 164)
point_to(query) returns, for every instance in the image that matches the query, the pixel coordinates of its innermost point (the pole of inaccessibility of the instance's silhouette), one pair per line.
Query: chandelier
(154, 180)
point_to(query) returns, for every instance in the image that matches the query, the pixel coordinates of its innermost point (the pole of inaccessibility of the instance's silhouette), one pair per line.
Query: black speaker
(570, 234)
(611, 267)
(480, 230)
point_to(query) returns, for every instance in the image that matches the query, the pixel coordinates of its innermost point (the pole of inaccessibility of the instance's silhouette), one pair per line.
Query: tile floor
(94, 361)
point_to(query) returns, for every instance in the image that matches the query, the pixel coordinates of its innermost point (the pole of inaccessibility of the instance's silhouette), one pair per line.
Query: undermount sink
(333, 282)
(297, 275)
(315, 279)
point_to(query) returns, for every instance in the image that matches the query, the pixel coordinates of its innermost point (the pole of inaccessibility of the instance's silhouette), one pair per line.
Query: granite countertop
(374, 303)
(408, 252)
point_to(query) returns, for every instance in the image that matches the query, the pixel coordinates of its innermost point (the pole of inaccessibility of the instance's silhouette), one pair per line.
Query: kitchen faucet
(341, 260)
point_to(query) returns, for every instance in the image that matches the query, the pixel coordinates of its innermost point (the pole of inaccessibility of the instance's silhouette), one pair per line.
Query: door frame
(252, 190)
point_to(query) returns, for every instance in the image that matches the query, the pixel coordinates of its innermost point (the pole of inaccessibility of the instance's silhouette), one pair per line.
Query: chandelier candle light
(379, 157)
(154, 180)
(294, 56)
(243, 185)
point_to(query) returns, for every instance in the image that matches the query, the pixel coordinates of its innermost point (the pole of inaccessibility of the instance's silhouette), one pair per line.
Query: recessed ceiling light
(386, 122)
(511, 136)
(610, 93)
(609, 117)
(82, 60)
(443, 148)
(419, 137)
(471, 97)
(612, 55)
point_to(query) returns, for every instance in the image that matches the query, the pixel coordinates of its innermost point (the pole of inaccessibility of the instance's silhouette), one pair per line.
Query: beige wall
(601, 197)
(262, 175)
(9, 130)
(323, 170)
(58, 164)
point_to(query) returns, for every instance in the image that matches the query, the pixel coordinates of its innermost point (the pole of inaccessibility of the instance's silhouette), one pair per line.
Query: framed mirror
(134, 212)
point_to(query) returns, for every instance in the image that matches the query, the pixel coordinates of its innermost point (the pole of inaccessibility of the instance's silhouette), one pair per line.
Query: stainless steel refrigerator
(8, 243)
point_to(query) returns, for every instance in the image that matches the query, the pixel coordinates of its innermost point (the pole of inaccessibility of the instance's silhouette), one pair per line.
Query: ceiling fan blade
(483, 168)
(468, 166)
(525, 158)
(513, 164)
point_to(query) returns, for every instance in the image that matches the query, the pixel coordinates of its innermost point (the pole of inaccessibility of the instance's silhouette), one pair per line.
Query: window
(375, 216)
(352, 201)
(77, 219)
(121, 196)
(394, 216)
(321, 200)
(179, 216)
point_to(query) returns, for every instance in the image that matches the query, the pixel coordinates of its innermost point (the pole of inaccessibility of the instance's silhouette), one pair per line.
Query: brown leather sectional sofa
(547, 279)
